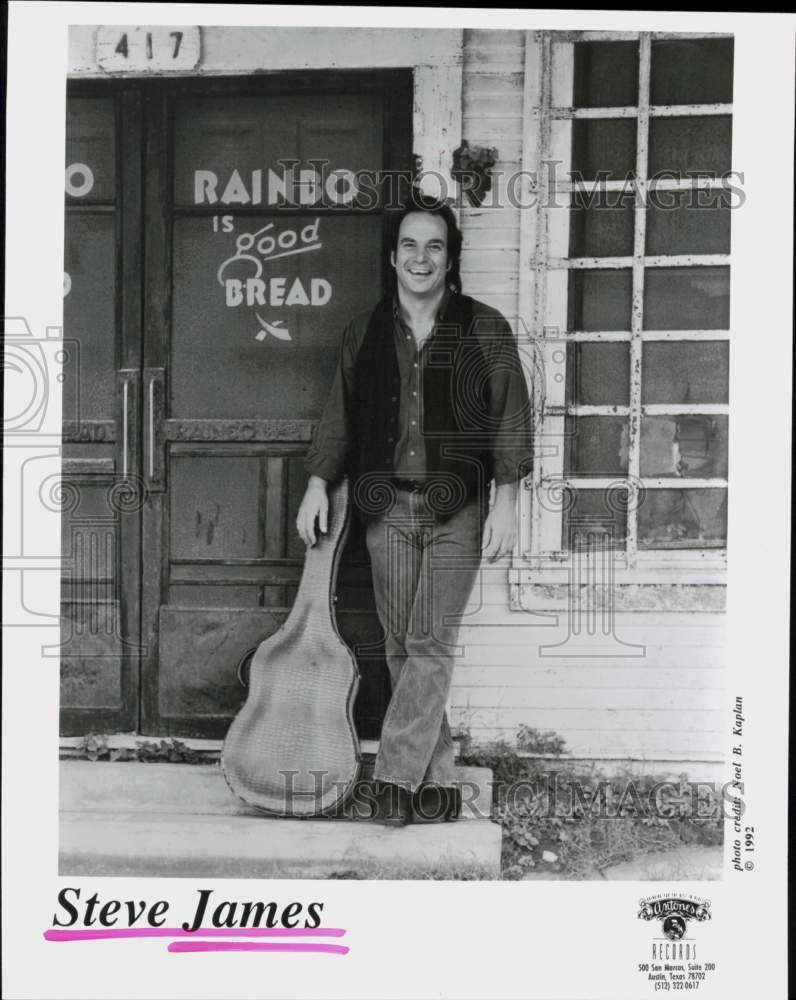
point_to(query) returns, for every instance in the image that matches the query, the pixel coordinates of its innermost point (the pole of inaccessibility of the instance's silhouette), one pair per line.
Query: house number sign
(148, 49)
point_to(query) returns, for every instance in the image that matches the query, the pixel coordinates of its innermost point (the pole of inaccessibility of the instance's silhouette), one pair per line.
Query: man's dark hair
(419, 202)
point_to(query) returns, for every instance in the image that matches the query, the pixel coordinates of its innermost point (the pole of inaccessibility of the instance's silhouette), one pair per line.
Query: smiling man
(428, 408)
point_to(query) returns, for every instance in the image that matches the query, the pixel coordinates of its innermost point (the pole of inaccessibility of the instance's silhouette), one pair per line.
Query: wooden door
(254, 262)
(100, 495)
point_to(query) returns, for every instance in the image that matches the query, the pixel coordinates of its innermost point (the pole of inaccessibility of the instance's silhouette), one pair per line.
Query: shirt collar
(396, 306)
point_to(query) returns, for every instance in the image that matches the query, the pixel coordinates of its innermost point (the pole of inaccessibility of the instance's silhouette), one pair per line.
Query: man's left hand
(500, 527)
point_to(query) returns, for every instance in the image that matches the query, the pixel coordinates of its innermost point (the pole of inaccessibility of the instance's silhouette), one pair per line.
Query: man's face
(421, 256)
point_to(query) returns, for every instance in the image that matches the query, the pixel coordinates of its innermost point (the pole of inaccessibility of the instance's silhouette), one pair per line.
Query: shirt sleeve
(331, 441)
(509, 402)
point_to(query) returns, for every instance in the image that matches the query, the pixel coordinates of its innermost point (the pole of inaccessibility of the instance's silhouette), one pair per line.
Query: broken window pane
(604, 146)
(598, 374)
(691, 71)
(606, 74)
(683, 519)
(685, 372)
(600, 299)
(691, 447)
(601, 224)
(686, 146)
(686, 222)
(594, 518)
(595, 446)
(687, 298)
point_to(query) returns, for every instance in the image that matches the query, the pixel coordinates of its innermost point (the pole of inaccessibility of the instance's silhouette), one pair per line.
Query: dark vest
(456, 427)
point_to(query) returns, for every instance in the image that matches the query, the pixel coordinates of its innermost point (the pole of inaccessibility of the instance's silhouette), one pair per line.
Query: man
(428, 405)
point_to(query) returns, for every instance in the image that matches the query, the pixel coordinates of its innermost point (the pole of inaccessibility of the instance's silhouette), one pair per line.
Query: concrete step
(182, 820)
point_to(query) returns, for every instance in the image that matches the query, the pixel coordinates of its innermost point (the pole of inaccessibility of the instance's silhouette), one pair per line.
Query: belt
(410, 485)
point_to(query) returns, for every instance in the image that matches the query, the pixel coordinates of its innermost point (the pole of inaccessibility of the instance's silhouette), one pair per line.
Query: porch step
(182, 820)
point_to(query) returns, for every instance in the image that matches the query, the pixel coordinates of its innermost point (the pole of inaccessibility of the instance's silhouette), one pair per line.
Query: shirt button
(414, 422)
(414, 393)
(414, 365)
(394, 399)
(411, 453)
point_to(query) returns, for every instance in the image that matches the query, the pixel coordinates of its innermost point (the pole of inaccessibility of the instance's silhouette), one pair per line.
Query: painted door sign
(297, 187)
(245, 283)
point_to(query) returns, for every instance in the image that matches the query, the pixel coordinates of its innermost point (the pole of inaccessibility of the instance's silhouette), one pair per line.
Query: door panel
(100, 494)
(245, 305)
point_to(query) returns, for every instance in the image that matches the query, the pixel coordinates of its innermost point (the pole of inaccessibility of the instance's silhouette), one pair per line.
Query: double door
(218, 238)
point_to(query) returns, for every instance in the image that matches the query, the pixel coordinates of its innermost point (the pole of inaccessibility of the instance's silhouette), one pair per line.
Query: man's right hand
(315, 504)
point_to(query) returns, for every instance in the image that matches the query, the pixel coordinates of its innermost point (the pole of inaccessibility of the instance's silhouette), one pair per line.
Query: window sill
(662, 581)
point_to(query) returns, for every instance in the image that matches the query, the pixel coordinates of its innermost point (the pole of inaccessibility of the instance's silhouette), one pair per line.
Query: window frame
(544, 269)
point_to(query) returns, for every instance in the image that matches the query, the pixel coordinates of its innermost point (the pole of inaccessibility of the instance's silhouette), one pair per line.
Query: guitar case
(292, 749)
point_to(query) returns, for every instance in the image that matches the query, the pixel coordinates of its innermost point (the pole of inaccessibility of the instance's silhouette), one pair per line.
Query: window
(630, 301)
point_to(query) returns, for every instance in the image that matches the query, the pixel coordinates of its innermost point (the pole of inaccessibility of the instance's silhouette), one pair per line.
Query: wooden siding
(492, 95)
(652, 690)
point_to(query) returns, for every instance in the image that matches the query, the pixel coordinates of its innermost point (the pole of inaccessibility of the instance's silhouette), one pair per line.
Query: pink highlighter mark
(109, 933)
(193, 946)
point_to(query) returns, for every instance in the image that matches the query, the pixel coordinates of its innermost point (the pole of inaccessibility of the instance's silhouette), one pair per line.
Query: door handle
(154, 415)
(129, 381)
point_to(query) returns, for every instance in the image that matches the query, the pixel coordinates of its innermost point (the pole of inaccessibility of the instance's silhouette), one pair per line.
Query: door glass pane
(592, 517)
(600, 299)
(687, 298)
(685, 222)
(240, 151)
(691, 71)
(694, 447)
(683, 372)
(601, 224)
(606, 74)
(272, 320)
(598, 374)
(686, 145)
(603, 145)
(90, 150)
(90, 314)
(683, 519)
(595, 446)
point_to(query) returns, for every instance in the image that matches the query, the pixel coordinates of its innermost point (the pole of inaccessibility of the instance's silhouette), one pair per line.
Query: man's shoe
(436, 804)
(392, 805)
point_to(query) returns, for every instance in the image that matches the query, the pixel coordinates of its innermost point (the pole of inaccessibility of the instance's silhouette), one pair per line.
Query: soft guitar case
(292, 749)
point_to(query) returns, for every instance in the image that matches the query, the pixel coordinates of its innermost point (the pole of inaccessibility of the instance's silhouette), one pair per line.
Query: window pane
(684, 372)
(606, 74)
(215, 322)
(600, 300)
(601, 224)
(693, 447)
(683, 519)
(604, 145)
(688, 222)
(686, 146)
(595, 446)
(591, 515)
(90, 150)
(691, 71)
(598, 374)
(687, 298)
